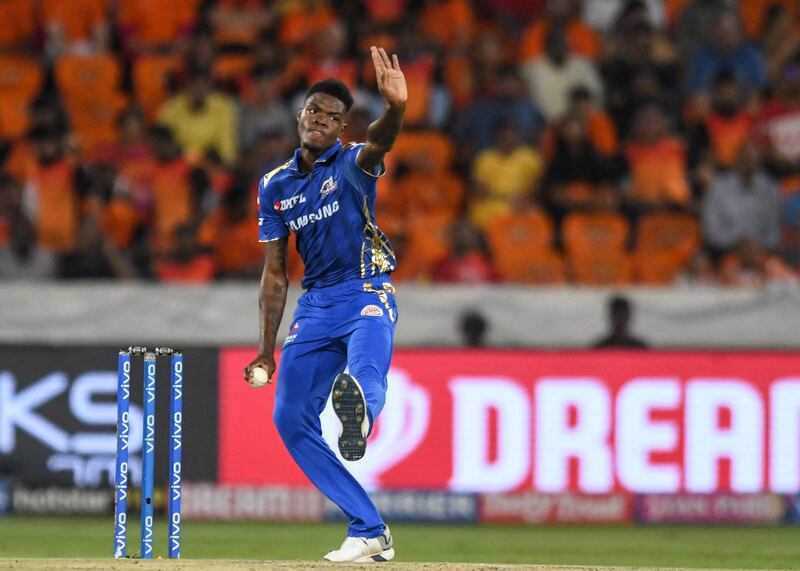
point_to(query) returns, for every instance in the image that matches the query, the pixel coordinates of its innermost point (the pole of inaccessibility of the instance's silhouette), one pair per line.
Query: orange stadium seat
(23, 14)
(665, 242)
(151, 74)
(20, 75)
(435, 144)
(429, 239)
(430, 193)
(581, 40)
(87, 78)
(57, 216)
(155, 22)
(172, 200)
(657, 268)
(587, 234)
(119, 221)
(601, 268)
(76, 18)
(232, 66)
(669, 232)
(545, 267)
(14, 116)
(232, 244)
(459, 79)
(517, 237)
(95, 122)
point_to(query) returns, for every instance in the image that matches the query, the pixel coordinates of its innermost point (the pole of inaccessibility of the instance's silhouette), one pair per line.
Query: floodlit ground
(86, 544)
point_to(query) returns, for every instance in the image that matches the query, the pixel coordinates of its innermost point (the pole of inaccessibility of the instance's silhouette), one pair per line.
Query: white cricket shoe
(364, 549)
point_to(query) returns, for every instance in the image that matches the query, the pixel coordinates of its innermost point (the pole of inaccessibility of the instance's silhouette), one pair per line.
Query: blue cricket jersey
(331, 211)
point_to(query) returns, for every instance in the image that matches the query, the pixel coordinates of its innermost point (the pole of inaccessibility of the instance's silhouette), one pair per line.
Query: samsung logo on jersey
(306, 219)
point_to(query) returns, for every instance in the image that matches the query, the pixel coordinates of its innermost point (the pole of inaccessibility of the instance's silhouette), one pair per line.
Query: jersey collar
(324, 158)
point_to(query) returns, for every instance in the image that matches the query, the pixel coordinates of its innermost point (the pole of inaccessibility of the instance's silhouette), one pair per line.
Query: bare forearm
(272, 298)
(384, 130)
(271, 303)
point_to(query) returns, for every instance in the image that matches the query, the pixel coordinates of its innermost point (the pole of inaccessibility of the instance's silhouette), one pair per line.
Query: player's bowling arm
(272, 298)
(382, 133)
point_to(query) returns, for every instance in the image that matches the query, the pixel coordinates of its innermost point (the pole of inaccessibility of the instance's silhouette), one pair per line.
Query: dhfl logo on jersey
(288, 203)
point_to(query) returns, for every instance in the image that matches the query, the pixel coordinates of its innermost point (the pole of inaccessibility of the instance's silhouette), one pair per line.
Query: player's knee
(287, 422)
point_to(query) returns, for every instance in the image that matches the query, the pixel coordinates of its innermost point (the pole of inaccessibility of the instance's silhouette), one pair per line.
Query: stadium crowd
(546, 141)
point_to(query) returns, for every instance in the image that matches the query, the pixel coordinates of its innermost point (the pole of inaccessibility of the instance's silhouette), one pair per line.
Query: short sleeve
(270, 225)
(364, 180)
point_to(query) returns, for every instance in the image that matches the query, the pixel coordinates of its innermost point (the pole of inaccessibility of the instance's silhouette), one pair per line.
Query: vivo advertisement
(523, 422)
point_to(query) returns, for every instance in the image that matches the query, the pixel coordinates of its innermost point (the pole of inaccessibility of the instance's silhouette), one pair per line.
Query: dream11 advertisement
(554, 422)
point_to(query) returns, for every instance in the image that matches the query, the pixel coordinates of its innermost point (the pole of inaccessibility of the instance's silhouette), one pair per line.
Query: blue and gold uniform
(345, 318)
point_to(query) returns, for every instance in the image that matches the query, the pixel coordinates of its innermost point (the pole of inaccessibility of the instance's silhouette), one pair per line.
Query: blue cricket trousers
(350, 324)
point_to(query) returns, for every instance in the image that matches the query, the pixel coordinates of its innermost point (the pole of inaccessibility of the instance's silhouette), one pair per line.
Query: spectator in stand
(131, 155)
(791, 231)
(638, 70)
(505, 176)
(504, 101)
(749, 266)
(21, 256)
(552, 76)
(202, 120)
(779, 127)
(694, 20)
(265, 112)
(780, 42)
(599, 126)
(619, 336)
(577, 175)
(187, 262)
(96, 255)
(657, 163)
(170, 195)
(728, 125)
(228, 234)
(561, 15)
(473, 327)
(328, 57)
(50, 193)
(604, 15)
(468, 262)
(728, 49)
(742, 206)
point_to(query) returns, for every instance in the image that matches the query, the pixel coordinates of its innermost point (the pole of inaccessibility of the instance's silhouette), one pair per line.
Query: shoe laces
(349, 540)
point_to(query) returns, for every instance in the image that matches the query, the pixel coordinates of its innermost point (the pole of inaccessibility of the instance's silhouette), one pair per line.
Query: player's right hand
(266, 362)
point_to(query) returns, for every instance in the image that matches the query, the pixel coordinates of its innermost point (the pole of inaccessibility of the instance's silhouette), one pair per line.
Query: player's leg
(369, 354)
(306, 373)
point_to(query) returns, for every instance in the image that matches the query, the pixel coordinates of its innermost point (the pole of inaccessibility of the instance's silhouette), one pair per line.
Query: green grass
(743, 547)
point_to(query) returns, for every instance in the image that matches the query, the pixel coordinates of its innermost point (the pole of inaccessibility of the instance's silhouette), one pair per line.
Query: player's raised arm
(271, 301)
(384, 130)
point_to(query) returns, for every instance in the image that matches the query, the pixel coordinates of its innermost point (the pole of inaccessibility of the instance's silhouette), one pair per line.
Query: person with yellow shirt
(202, 120)
(504, 175)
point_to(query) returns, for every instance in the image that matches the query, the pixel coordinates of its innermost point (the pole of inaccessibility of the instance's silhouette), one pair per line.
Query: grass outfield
(711, 547)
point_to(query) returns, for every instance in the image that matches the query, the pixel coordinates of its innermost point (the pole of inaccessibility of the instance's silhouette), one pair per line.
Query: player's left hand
(391, 81)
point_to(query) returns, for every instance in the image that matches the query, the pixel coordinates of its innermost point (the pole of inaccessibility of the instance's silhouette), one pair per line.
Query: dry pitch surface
(232, 565)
